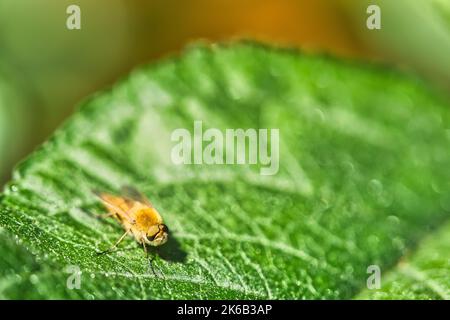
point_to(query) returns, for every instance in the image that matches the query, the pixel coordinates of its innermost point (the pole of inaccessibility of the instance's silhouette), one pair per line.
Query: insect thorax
(147, 217)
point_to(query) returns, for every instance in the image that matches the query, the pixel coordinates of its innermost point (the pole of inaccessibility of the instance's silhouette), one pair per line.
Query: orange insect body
(137, 216)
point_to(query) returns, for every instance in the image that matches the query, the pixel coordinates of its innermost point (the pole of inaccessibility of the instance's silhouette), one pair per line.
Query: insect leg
(150, 261)
(116, 244)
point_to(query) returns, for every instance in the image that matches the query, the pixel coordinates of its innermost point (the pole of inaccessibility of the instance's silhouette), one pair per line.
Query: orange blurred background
(49, 68)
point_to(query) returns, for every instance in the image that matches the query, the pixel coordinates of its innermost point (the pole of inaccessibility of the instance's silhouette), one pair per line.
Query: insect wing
(133, 194)
(107, 200)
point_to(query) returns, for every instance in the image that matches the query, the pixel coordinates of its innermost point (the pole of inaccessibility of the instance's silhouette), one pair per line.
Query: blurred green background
(45, 69)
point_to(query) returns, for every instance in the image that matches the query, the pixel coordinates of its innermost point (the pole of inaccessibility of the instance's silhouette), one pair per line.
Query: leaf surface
(362, 177)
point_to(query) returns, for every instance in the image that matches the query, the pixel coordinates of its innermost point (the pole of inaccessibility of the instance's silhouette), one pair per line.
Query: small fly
(138, 217)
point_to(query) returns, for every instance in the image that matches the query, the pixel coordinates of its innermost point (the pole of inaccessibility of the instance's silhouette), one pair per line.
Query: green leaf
(422, 275)
(24, 276)
(363, 177)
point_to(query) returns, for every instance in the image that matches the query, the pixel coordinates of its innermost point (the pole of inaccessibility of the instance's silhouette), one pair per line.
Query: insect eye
(164, 228)
(151, 238)
(152, 232)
